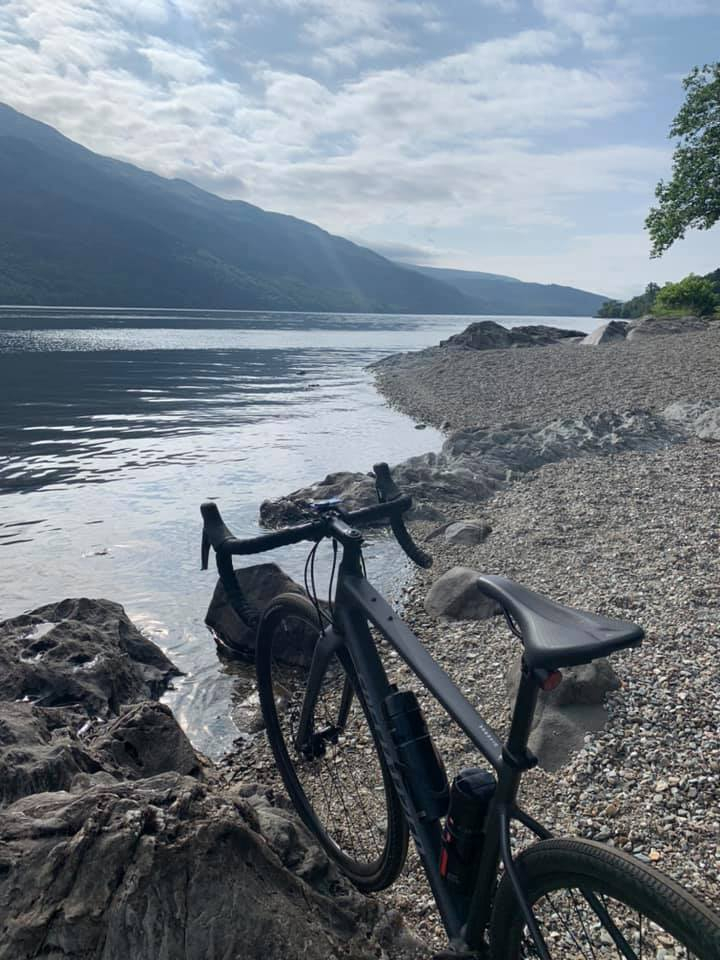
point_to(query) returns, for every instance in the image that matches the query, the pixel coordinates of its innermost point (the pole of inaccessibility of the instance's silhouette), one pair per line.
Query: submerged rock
(260, 584)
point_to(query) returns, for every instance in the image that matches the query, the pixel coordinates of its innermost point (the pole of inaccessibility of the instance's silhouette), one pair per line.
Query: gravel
(494, 387)
(633, 536)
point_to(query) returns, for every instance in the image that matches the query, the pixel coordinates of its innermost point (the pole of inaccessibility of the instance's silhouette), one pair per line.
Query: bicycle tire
(569, 865)
(281, 682)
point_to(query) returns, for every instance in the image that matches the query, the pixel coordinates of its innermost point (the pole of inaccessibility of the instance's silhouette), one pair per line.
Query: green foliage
(692, 295)
(637, 307)
(691, 199)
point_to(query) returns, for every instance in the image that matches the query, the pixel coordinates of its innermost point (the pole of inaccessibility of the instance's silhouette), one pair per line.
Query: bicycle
(359, 764)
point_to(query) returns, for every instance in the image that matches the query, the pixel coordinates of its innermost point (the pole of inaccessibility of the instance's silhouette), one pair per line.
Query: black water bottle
(422, 767)
(462, 838)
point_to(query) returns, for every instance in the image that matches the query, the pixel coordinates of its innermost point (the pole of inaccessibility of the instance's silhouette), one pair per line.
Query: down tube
(376, 687)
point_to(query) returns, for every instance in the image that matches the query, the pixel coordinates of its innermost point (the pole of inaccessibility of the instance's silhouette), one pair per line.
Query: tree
(693, 294)
(691, 199)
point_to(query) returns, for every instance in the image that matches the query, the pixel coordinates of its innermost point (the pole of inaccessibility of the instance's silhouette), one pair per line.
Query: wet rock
(83, 652)
(260, 584)
(165, 867)
(565, 715)
(354, 490)
(609, 332)
(457, 594)
(146, 740)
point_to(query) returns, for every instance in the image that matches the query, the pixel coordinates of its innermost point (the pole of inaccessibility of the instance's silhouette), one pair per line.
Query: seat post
(523, 713)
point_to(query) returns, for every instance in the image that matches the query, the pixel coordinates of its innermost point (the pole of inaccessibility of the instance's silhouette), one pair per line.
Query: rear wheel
(636, 912)
(341, 786)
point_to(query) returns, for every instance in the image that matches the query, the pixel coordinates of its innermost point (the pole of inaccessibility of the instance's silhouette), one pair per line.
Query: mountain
(493, 293)
(80, 229)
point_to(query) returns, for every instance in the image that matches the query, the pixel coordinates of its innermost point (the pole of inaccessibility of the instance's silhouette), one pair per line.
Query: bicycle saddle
(557, 636)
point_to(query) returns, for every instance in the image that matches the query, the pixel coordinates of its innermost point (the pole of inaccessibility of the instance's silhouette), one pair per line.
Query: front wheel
(593, 902)
(339, 783)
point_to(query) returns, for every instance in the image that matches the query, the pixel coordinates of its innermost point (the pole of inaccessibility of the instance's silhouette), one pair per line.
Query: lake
(116, 424)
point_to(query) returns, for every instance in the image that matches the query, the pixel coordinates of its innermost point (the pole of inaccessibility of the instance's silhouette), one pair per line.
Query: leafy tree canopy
(691, 199)
(694, 294)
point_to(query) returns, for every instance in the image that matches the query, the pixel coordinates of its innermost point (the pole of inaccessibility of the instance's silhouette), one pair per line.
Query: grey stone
(469, 532)
(260, 584)
(700, 419)
(457, 595)
(167, 869)
(609, 332)
(565, 715)
(83, 652)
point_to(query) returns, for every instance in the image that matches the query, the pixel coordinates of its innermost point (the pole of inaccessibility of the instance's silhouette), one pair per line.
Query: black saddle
(557, 636)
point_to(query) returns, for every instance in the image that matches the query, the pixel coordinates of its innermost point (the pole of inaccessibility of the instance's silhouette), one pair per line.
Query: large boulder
(260, 584)
(80, 651)
(664, 326)
(565, 715)
(457, 595)
(609, 332)
(169, 869)
(489, 335)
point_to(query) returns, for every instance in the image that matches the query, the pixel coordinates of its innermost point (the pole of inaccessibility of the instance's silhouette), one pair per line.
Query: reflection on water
(115, 425)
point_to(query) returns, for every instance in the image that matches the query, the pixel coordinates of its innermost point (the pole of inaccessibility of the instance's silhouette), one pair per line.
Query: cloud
(599, 23)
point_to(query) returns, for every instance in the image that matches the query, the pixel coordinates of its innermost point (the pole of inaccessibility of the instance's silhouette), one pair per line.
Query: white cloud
(598, 23)
(173, 62)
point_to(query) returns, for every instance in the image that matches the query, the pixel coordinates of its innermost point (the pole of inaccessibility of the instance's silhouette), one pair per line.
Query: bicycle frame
(356, 604)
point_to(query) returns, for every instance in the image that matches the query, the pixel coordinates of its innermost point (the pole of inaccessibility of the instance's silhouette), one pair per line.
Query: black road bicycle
(359, 763)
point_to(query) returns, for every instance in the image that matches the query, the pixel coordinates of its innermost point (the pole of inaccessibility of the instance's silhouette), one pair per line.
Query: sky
(522, 137)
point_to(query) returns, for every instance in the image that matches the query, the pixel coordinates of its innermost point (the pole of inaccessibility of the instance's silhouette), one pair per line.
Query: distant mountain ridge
(80, 229)
(498, 295)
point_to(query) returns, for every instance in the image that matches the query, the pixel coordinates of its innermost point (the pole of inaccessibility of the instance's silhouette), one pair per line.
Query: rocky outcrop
(167, 867)
(118, 840)
(260, 584)
(610, 332)
(489, 335)
(80, 651)
(566, 714)
(664, 326)
(457, 595)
